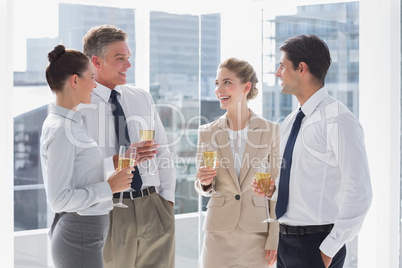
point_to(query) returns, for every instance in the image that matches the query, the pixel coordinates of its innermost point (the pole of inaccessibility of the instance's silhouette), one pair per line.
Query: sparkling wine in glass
(262, 174)
(210, 156)
(145, 135)
(127, 156)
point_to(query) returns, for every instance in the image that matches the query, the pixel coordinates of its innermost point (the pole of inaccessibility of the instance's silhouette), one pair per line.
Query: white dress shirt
(238, 140)
(138, 107)
(72, 165)
(329, 177)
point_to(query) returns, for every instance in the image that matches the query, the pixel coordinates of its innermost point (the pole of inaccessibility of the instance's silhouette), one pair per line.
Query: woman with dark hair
(72, 166)
(234, 233)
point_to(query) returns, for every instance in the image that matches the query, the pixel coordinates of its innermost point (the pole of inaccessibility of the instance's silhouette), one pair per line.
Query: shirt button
(237, 197)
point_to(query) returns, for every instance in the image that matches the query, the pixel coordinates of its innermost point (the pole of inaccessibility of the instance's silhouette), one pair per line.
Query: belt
(135, 195)
(304, 230)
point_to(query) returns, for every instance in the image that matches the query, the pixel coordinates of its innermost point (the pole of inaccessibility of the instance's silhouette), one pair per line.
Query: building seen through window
(184, 53)
(338, 25)
(174, 72)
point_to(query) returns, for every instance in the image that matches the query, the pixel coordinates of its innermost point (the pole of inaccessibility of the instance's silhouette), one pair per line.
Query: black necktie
(119, 123)
(283, 194)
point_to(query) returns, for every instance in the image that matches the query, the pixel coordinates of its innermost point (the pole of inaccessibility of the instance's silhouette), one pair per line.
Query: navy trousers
(303, 252)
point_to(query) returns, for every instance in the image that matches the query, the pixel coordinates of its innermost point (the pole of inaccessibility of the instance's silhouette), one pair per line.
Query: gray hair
(98, 38)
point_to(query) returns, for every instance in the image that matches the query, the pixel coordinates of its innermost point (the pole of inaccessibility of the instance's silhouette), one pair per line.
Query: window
(183, 47)
(176, 71)
(30, 84)
(337, 25)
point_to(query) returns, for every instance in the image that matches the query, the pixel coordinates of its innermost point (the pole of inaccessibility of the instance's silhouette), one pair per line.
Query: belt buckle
(141, 194)
(146, 189)
(284, 229)
(301, 231)
(133, 198)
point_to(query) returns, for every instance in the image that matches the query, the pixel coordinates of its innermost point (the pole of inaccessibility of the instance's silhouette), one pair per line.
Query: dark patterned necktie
(283, 194)
(119, 123)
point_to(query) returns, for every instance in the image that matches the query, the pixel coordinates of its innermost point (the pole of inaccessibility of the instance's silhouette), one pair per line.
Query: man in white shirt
(328, 191)
(143, 234)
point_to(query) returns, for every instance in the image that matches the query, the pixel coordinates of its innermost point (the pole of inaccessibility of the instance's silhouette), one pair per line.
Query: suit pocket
(258, 201)
(217, 201)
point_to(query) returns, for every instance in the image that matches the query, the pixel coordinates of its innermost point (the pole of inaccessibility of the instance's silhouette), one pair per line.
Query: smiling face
(111, 70)
(86, 84)
(229, 89)
(290, 80)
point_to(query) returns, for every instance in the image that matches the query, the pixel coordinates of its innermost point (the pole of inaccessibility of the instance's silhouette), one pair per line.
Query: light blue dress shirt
(72, 165)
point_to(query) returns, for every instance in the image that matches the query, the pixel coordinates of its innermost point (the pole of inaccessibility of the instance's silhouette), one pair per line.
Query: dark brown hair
(244, 71)
(311, 50)
(64, 63)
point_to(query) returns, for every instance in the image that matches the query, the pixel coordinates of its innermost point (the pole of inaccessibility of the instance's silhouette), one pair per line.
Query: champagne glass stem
(269, 219)
(214, 192)
(121, 198)
(267, 207)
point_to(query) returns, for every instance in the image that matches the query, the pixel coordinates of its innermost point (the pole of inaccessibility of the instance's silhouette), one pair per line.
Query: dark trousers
(78, 241)
(303, 252)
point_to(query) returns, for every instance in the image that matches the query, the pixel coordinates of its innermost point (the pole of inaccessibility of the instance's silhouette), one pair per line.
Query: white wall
(6, 136)
(241, 37)
(380, 116)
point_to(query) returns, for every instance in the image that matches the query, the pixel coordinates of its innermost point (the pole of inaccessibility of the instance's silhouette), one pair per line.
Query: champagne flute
(210, 156)
(148, 134)
(127, 156)
(262, 174)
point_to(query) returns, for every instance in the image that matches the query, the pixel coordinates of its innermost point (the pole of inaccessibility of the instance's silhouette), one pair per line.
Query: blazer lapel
(256, 127)
(223, 144)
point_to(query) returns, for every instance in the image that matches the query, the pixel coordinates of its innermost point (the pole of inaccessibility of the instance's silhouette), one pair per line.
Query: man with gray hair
(141, 235)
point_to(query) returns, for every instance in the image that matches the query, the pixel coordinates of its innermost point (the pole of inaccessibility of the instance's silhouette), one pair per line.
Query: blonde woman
(234, 233)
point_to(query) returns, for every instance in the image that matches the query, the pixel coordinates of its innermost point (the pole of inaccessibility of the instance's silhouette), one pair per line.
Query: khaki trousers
(234, 249)
(142, 235)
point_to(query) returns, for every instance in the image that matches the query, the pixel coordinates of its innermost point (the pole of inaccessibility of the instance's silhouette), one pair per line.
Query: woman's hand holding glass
(206, 176)
(262, 173)
(258, 191)
(211, 162)
(127, 157)
(120, 180)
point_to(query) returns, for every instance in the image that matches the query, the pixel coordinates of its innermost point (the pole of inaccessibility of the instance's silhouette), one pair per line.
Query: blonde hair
(245, 72)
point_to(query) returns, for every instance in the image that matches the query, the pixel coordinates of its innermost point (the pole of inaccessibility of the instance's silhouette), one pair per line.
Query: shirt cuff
(330, 246)
(168, 195)
(105, 192)
(109, 167)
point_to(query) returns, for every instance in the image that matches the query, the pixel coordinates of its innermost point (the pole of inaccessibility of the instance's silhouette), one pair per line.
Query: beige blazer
(237, 204)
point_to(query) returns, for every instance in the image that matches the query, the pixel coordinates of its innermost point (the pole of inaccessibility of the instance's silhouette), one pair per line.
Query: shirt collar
(104, 92)
(254, 122)
(242, 133)
(311, 104)
(70, 114)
